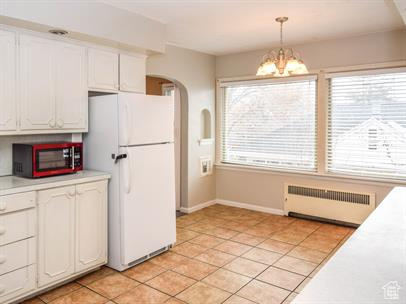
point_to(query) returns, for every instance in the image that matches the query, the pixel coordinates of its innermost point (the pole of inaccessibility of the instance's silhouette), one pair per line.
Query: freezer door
(145, 119)
(147, 198)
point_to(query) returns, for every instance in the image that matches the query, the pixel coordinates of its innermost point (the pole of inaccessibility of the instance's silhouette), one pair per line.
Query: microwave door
(54, 159)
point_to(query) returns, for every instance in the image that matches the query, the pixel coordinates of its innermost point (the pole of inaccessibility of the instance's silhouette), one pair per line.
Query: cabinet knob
(60, 123)
(72, 193)
(51, 123)
(2, 230)
(3, 258)
(3, 206)
(116, 86)
(79, 192)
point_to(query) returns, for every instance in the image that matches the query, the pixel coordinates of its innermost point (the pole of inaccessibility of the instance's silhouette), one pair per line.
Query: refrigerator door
(145, 119)
(147, 198)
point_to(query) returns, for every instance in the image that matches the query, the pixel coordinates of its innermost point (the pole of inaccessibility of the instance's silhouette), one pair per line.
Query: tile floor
(222, 255)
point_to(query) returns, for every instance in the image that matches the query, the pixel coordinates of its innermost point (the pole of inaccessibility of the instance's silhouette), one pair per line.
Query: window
(367, 124)
(270, 123)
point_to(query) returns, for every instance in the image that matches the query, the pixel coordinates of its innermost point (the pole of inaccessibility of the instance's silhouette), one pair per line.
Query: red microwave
(38, 160)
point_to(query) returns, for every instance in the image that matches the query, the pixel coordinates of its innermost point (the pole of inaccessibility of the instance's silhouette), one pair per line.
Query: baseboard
(232, 204)
(250, 207)
(197, 207)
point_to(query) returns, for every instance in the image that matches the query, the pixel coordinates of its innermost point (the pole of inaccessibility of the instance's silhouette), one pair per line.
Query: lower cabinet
(91, 225)
(72, 230)
(56, 234)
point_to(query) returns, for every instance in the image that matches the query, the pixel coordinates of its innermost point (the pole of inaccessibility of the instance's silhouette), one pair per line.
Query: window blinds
(367, 124)
(270, 124)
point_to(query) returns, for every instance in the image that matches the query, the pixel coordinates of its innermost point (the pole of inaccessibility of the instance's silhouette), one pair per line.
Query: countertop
(13, 184)
(371, 265)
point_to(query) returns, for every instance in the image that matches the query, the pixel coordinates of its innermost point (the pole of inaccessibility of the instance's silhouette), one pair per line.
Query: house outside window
(367, 125)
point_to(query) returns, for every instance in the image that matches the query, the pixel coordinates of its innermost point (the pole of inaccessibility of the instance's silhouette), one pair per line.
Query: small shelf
(205, 128)
(206, 141)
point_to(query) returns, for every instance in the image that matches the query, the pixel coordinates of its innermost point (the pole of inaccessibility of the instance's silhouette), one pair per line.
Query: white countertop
(13, 184)
(374, 256)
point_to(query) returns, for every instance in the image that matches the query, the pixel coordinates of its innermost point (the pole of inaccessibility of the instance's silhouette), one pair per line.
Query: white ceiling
(230, 26)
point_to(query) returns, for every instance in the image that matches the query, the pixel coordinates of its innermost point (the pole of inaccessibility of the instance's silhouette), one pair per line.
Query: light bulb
(266, 68)
(261, 71)
(301, 68)
(292, 65)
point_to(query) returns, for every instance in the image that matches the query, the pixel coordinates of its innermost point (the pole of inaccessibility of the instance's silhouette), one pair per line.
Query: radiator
(332, 204)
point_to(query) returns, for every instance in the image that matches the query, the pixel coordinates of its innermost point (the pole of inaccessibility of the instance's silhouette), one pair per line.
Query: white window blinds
(367, 124)
(270, 124)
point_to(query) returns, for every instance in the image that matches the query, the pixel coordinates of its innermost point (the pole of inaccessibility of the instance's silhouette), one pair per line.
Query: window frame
(322, 121)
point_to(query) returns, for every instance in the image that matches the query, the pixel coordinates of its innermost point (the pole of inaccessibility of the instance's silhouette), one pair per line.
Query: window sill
(315, 175)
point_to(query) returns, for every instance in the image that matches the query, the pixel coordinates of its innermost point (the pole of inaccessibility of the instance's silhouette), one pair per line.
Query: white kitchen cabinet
(91, 225)
(132, 73)
(50, 232)
(8, 100)
(102, 70)
(15, 283)
(71, 90)
(53, 85)
(56, 234)
(37, 90)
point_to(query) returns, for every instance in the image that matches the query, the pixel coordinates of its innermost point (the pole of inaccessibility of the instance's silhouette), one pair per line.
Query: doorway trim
(184, 136)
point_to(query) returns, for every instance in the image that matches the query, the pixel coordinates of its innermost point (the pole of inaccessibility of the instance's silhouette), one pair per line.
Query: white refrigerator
(131, 136)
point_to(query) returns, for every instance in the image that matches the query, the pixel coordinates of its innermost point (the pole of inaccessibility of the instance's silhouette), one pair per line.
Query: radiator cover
(333, 204)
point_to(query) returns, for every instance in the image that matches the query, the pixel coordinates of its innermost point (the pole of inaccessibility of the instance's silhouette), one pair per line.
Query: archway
(161, 85)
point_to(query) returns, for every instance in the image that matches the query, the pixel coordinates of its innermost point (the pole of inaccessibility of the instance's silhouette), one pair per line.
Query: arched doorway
(162, 85)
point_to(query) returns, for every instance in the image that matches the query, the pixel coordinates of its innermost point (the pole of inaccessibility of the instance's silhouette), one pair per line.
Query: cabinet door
(71, 88)
(103, 70)
(37, 101)
(56, 234)
(132, 74)
(91, 225)
(8, 118)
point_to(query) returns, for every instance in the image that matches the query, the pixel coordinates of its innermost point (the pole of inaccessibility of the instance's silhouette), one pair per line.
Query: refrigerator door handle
(127, 126)
(118, 157)
(127, 175)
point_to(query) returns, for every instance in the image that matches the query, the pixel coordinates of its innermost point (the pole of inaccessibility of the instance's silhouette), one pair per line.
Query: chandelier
(283, 61)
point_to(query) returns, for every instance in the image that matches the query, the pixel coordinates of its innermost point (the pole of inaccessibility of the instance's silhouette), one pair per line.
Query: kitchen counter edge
(12, 184)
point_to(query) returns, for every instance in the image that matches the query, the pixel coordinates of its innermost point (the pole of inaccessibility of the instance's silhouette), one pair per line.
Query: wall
(372, 48)
(196, 72)
(88, 20)
(6, 147)
(265, 188)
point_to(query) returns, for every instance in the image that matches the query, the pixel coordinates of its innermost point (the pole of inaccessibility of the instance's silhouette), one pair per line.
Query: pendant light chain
(281, 33)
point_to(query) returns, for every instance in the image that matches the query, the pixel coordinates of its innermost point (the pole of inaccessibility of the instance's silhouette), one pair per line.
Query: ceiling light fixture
(283, 61)
(58, 32)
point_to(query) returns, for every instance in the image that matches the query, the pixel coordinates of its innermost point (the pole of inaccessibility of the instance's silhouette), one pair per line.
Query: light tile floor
(222, 255)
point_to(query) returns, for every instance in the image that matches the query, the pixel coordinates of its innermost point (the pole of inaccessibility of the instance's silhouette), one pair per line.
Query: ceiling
(229, 26)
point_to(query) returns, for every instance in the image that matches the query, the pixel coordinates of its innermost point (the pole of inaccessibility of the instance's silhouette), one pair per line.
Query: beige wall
(264, 188)
(91, 21)
(373, 48)
(196, 72)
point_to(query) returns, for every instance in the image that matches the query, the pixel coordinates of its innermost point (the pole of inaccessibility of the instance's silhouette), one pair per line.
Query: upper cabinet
(109, 71)
(103, 70)
(37, 89)
(44, 81)
(8, 114)
(70, 90)
(53, 91)
(132, 74)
